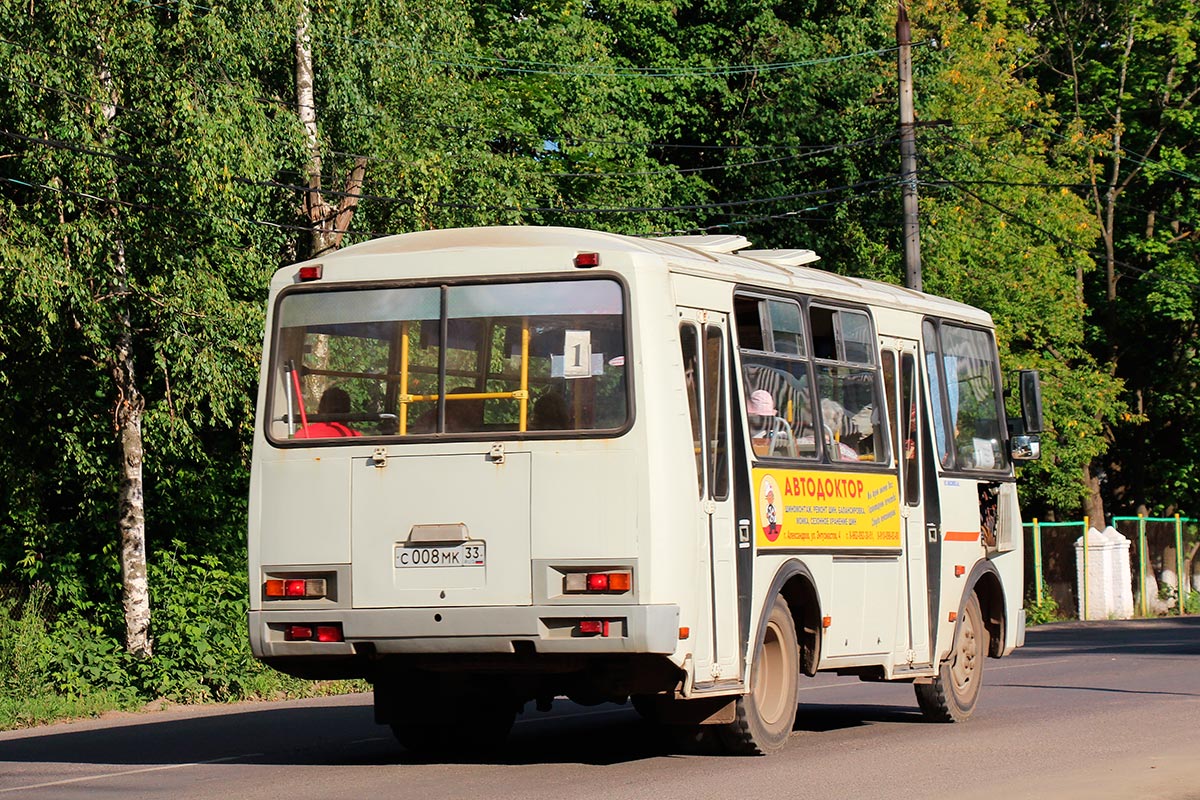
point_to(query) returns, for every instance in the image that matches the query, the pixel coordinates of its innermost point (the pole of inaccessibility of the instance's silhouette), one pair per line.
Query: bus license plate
(467, 554)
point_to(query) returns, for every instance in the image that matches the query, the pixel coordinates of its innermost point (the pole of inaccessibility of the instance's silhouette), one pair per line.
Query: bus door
(901, 367)
(704, 342)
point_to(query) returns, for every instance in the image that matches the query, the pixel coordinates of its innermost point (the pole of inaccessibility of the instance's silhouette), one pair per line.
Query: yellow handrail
(524, 390)
(521, 395)
(403, 377)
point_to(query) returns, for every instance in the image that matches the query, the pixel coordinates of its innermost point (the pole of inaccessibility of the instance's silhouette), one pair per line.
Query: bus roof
(695, 255)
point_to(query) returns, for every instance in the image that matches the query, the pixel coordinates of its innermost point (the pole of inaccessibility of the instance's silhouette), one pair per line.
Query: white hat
(761, 403)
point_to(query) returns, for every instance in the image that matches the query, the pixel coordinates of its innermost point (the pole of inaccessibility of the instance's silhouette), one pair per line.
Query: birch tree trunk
(131, 519)
(328, 224)
(127, 419)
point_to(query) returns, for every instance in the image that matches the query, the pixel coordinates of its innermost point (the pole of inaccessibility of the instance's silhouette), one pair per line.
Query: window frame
(942, 398)
(273, 356)
(811, 363)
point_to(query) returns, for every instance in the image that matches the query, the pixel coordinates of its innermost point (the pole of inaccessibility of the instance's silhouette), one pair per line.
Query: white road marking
(1030, 664)
(101, 776)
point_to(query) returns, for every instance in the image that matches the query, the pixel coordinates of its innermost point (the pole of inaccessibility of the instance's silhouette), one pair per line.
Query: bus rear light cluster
(313, 633)
(602, 582)
(593, 627)
(295, 588)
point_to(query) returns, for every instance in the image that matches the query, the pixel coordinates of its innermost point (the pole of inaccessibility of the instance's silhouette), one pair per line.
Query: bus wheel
(765, 716)
(952, 695)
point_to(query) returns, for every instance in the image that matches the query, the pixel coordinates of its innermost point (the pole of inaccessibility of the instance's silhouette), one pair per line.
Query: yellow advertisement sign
(798, 508)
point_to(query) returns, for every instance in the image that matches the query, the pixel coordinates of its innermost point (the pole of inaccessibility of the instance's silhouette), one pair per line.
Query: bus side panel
(305, 510)
(1011, 566)
(961, 548)
(676, 553)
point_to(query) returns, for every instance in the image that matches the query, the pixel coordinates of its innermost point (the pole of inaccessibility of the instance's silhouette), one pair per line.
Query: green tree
(133, 272)
(1004, 232)
(1122, 75)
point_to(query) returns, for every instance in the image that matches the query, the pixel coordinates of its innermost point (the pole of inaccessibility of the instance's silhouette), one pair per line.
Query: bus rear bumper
(547, 629)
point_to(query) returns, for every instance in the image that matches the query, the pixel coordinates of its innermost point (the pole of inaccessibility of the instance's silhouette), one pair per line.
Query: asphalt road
(1102, 710)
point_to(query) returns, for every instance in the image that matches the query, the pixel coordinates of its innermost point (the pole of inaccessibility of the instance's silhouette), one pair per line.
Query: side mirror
(1031, 401)
(1026, 447)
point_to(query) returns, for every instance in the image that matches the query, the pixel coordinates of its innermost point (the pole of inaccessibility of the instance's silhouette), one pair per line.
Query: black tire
(952, 695)
(465, 728)
(766, 715)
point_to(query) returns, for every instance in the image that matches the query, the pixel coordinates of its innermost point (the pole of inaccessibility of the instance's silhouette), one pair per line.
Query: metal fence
(1051, 559)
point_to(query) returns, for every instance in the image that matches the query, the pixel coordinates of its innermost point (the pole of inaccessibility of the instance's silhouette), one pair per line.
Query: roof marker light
(587, 260)
(312, 272)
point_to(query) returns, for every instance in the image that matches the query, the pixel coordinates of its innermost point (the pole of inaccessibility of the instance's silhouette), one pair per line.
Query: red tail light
(293, 588)
(307, 633)
(329, 633)
(611, 582)
(593, 627)
(298, 633)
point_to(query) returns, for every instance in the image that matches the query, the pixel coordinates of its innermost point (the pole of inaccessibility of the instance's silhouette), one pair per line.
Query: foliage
(1121, 75)
(1170, 594)
(1059, 155)
(1040, 613)
(56, 663)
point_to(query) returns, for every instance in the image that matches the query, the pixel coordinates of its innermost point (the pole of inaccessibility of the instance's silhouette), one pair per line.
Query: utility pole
(908, 154)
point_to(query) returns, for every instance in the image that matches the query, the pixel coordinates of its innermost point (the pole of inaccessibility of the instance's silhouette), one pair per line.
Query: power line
(795, 214)
(63, 145)
(804, 150)
(528, 66)
(525, 67)
(1141, 271)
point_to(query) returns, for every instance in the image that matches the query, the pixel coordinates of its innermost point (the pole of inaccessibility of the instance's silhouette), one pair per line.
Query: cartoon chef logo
(768, 508)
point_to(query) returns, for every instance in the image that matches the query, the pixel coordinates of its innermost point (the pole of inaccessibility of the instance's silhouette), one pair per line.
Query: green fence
(1176, 522)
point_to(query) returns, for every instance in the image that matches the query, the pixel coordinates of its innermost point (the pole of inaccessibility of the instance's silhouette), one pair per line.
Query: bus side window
(890, 392)
(852, 424)
(777, 387)
(714, 411)
(689, 343)
(910, 427)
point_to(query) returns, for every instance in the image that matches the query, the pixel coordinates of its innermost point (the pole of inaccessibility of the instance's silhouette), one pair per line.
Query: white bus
(496, 466)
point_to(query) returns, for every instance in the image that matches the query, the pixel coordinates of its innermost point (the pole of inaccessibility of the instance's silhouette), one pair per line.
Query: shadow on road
(345, 735)
(1169, 636)
(1102, 689)
(343, 732)
(822, 718)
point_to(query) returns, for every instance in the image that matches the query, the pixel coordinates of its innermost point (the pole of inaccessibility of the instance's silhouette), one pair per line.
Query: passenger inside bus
(550, 412)
(770, 435)
(334, 401)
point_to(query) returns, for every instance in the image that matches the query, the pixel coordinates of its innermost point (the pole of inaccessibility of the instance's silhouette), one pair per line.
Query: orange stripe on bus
(961, 536)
